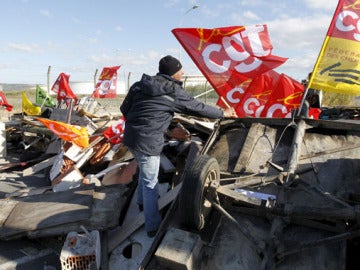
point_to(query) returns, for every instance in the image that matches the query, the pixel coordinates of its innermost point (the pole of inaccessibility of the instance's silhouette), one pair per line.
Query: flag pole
(43, 102)
(313, 74)
(225, 102)
(326, 40)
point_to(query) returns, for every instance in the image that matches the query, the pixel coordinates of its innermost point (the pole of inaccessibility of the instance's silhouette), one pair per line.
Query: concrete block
(179, 250)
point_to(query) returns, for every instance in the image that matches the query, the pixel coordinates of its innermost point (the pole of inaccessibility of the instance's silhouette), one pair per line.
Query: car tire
(194, 205)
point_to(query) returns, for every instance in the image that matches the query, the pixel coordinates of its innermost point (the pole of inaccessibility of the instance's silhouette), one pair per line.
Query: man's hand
(229, 112)
(179, 133)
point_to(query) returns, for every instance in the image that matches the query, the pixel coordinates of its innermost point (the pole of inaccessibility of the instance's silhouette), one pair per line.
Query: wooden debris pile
(51, 187)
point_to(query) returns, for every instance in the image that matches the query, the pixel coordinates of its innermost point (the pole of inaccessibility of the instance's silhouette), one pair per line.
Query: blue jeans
(147, 188)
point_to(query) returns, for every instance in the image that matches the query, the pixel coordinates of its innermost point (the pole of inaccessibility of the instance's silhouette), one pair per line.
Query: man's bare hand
(179, 133)
(229, 112)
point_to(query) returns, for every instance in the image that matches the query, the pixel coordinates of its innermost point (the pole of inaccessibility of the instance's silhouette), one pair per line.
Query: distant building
(87, 88)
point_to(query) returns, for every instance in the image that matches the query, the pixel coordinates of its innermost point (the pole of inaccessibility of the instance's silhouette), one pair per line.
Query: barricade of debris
(54, 192)
(269, 193)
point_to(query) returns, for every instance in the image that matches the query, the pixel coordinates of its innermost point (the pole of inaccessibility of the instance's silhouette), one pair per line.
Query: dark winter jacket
(149, 108)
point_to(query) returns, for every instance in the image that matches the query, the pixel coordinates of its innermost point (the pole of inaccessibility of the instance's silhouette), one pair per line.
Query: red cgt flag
(62, 87)
(4, 103)
(285, 97)
(229, 57)
(257, 94)
(115, 132)
(270, 95)
(106, 86)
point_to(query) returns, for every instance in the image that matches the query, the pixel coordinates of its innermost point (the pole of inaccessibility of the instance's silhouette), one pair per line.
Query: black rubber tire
(194, 206)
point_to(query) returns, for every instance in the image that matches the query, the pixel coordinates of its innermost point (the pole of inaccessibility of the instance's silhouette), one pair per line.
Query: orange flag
(70, 133)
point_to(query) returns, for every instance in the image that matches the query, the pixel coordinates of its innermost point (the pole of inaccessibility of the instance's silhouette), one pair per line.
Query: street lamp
(181, 22)
(190, 9)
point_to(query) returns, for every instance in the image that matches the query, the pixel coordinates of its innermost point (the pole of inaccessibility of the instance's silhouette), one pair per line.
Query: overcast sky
(79, 36)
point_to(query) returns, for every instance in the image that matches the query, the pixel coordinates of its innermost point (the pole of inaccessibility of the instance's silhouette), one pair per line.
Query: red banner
(229, 57)
(257, 94)
(62, 87)
(106, 85)
(4, 103)
(270, 95)
(337, 68)
(115, 132)
(285, 97)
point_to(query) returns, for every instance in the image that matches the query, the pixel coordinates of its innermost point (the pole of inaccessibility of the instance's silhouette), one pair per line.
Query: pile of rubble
(246, 193)
(56, 192)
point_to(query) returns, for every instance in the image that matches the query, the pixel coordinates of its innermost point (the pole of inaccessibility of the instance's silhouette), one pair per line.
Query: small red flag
(62, 87)
(4, 103)
(106, 85)
(115, 132)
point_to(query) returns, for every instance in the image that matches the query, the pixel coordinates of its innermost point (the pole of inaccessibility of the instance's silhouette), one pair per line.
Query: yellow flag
(337, 68)
(28, 107)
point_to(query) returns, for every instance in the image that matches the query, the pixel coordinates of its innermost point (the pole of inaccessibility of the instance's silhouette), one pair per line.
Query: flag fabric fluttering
(271, 95)
(115, 132)
(285, 98)
(229, 57)
(257, 93)
(70, 133)
(238, 63)
(337, 67)
(4, 102)
(106, 85)
(28, 107)
(62, 88)
(43, 99)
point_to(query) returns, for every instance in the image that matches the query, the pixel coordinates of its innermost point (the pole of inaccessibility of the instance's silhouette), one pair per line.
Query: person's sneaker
(151, 234)
(141, 207)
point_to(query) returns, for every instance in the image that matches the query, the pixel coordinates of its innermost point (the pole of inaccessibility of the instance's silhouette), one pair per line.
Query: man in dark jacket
(149, 108)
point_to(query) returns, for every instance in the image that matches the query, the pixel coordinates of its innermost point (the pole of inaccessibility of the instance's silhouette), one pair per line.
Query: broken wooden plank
(6, 208)
(57, 165)
(108, 203)
(72, 178)
(39, 166)
(256, 130)
(117, 236)
(119, 173)
(22, 163)
(47, 210)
